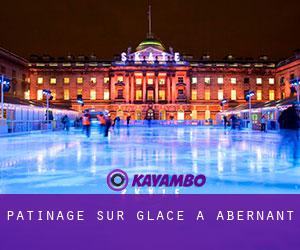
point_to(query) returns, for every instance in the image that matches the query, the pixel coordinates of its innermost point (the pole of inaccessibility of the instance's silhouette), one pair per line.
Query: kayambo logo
(118, 180)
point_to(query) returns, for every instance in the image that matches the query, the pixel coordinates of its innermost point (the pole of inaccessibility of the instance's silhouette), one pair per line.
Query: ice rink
(233, 161)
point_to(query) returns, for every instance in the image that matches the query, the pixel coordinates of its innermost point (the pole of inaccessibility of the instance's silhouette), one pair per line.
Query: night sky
(244, 28)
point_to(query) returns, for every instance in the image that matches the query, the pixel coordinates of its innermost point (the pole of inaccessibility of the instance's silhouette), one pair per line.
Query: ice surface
(233, 161)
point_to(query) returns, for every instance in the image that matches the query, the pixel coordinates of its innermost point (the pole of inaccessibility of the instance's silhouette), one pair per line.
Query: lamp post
(47, 93)
(223, 102)
(5, 87)
(2, 98)
(248, 97)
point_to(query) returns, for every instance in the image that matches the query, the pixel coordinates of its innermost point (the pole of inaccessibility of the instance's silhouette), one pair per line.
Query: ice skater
(225, 121)
(116, 124)
(263, 124)
(107, 125)
(66, 123)
(86, 122)
(101, 120)
(128, 120)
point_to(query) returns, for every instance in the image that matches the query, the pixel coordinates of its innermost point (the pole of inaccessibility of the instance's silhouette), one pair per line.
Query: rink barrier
(29, 126)
(169, 123)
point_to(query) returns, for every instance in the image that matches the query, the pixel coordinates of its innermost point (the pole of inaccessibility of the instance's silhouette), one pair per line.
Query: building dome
(150, 42)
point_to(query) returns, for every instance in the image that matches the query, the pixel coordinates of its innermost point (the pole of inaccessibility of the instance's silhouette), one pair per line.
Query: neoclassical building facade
(152, 81)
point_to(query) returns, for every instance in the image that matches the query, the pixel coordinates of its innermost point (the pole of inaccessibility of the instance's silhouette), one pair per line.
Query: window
(271, 80)
(233, 94)
(138, 95)
(120, 78)
(52, 80)
(120, 94)
(207, 80)
(93, 94)
(258, 80)
(162, 81)
(66, 94)
(246, 80)
(207, 95)
(79, 91)
(27, 95)
(220, 80)
(66, 80)
(39, 95)
(79, 80)
(138, 81)
(161, 95)
(194, 94)
(194, 115)
(233, 80)
(40, 80)
(271, 95)
(150, 81)
(180, 79)
(53, 93)
(220, 94)
(194, 80)
(259, 95)
(207, 114)
(106, 94)
(106, 79)
(180, 115)
(150, 95)
(93, 80)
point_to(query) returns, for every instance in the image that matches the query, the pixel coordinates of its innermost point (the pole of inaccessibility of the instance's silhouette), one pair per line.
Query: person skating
(225, 121)
(86, 122)
(128, 120)
(233, 121)
(102, 122)
(66, 123)
(107, 125)
(116, 124)
(263, 123)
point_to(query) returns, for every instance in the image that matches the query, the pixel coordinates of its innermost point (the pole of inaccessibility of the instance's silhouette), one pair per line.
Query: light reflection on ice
(233, 162)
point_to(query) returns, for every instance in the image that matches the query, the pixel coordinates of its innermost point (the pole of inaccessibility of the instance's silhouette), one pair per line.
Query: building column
(127, 93)
(173, 84)
(169, 82)
(188, 89)
(144, 87)
(112, 88)
(131, 80)
(156, 87)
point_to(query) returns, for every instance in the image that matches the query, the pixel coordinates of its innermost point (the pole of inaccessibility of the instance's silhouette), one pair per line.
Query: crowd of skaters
(105, 123)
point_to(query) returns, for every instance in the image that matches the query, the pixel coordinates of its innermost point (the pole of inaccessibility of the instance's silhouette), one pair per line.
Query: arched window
(180, 115)
(138, 115)
(194, 115)
(207, 114)
(162, 115)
